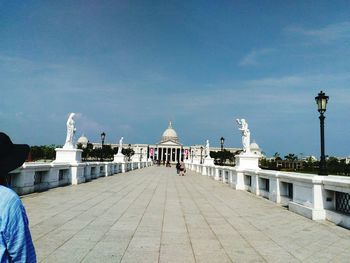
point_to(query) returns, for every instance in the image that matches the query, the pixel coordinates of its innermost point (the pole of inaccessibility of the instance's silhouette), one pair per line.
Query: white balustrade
(315, 197)
(33, 177)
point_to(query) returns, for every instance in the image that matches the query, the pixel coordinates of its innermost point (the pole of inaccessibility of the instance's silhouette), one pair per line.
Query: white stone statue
(120, 145)
(207, 149)
(70, 132)
(243, 126)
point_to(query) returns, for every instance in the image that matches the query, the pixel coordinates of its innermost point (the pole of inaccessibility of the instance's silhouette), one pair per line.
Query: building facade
(168, 149)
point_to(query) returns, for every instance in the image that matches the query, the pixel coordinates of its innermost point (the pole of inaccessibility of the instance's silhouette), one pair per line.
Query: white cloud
(324, 35)
(252, 58)
(87, 125)
(15, 63)
(279, 82)
(255, 94)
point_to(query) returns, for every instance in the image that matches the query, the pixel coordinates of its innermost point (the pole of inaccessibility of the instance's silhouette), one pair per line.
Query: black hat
(12, 155)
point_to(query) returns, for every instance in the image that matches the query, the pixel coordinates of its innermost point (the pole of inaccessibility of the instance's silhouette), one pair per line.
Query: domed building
(169, 149)
(83, 141)
(170, 134)
(254, 148)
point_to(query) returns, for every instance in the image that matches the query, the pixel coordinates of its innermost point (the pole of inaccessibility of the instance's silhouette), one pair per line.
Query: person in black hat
(16, 244)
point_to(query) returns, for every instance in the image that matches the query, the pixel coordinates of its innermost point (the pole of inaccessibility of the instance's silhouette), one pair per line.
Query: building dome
(83, 141)
(254, 147)
(169, 134)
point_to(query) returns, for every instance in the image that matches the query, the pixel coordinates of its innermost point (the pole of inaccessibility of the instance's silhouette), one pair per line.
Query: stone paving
(153, 215)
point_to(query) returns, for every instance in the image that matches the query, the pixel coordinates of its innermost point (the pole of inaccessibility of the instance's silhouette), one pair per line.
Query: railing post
(223, 178)
(123, 167)
(204, 170)
(318, 192)
(217, 175)
(106, 166)
(77, 174)
(275, 193)
(255, 184)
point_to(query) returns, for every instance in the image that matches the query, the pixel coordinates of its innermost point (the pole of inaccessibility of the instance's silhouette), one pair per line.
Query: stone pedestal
(208, 161)
(73, 157)
(119, 158)
(247, 161)
(68, 155)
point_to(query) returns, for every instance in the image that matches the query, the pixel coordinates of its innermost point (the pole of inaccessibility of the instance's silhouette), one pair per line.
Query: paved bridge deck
(152, 215)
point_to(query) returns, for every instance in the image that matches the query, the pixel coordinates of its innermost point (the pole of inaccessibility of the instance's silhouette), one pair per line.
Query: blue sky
(128, 67)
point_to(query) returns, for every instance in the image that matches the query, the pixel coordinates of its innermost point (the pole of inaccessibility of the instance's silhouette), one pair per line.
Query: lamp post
(103, 136)
(141, 154)
(201, 162)
(321, 101)
(222, 140)
(129, 152)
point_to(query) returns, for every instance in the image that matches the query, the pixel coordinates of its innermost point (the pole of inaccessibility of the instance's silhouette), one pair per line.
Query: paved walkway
(152, 215)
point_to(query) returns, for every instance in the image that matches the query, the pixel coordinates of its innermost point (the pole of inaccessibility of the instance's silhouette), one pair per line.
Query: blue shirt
(15, 241)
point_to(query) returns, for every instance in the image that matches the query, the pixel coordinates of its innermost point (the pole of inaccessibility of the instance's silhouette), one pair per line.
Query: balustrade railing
(342, 202)
(313, 196)
(36, 177)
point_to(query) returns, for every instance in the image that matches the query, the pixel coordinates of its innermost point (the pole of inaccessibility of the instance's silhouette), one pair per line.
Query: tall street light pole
(103, 136)
(201, 162)
(222, 140)
(321, 101)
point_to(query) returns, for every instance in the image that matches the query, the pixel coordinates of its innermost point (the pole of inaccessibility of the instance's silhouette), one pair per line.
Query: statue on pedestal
(208, 160)
(243, 126)
(70, 132)
(207, 149)
(120, 145)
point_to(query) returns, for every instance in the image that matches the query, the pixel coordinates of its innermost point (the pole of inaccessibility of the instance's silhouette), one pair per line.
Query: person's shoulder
(8, 196)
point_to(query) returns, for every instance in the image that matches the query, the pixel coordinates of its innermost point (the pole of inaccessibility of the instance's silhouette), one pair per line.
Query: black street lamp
(222, 140)
(103, 136)
(129, 152)
(201, 162)
(321, 101)
(141, 155)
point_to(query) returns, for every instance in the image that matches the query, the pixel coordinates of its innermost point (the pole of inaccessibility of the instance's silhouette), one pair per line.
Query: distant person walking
(15, 240)
(182, 169)
(178, 168)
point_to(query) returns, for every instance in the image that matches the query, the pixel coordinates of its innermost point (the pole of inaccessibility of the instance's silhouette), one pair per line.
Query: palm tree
(277, 156)
(291, 157)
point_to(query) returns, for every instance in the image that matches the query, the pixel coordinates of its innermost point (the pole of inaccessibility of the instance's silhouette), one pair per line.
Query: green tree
(291, 157)
(108, 152)
(277, 156)
(128, 152)
(43, 152)
(220, 157)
